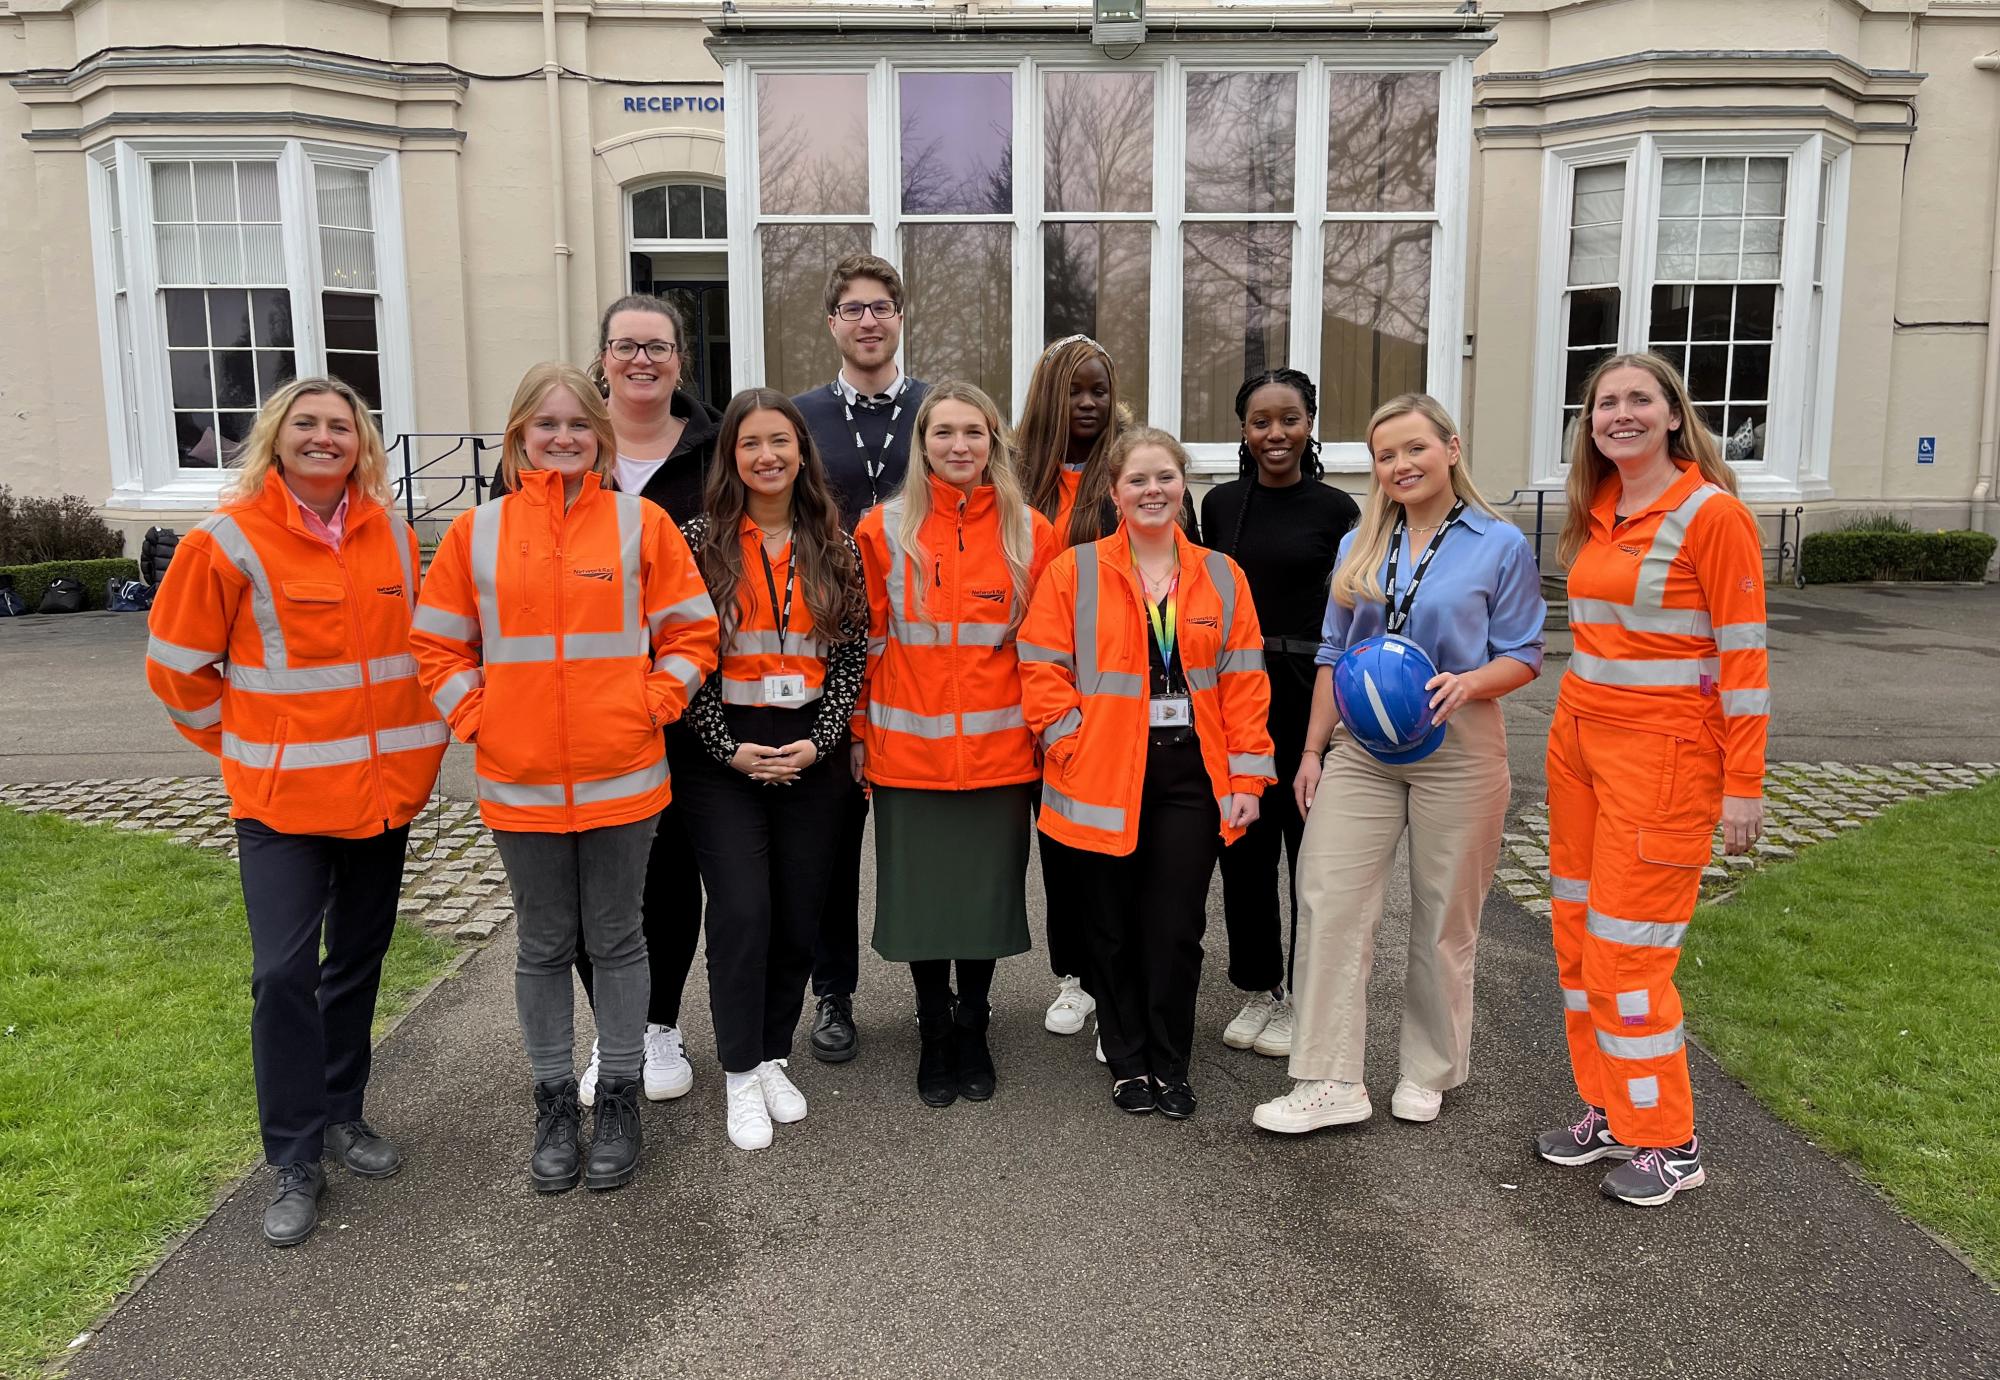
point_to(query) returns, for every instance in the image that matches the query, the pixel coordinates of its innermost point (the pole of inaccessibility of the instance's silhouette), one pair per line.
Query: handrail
(407, 468)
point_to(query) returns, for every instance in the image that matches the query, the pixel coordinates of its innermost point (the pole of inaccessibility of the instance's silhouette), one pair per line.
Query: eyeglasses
(882, 309)
(659, 351)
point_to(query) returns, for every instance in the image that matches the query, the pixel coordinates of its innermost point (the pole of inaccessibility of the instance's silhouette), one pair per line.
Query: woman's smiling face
(1630, 417)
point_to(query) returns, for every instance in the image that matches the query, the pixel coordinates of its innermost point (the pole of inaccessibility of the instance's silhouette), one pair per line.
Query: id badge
(1171, 711)
(785, 692)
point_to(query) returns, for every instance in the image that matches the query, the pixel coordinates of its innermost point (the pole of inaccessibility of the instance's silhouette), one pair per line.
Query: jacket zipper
(957, 684)
(367, 684)
(561, 519)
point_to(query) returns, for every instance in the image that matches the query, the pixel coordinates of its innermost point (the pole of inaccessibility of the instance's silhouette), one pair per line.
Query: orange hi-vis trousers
(1631, 815)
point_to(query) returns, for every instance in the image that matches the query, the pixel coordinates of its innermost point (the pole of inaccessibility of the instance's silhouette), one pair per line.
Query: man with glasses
(860, 426)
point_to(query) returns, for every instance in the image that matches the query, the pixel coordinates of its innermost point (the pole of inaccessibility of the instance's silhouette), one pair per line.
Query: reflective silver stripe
(1107, 817)
(681, 669)
(518, 792)
(984, 634)
(507, 651)
(207, 717)
(1651, 590)
(1604, 670)
(486, 577)
(457, 688)
(631, 511)
(699, 609)
(1569, 888)
(1643, 1046)
(1224, 580)
(438, 623)
(1574, 1000)
(334, 752)
(794, 643)
(1743, 704)
(302, 680)
(752, 692)
(1740, 637)
(877, 645)
(622, 787)
(400, 667)
(1089, 679)
(404, 539)
(907, 721)
(917, 633)
(1240, 659)
(1029, 651)
(1635, 1004)
(1124, 683)
(1643, 934)
(263, 603)
(981, 721)
(1199, 677)
(186, 660)
(604, 646)
(1069, 723)
(412, 737)
(1677, 622)
(1248, 764)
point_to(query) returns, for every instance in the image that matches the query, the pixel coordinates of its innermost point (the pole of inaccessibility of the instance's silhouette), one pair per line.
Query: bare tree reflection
(1383, 152)
(1375, 321)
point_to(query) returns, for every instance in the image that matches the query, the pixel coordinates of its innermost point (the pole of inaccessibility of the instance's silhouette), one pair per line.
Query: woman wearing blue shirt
(1465, 588)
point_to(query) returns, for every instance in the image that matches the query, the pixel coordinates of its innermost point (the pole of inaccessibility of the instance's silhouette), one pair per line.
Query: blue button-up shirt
(1481, 599)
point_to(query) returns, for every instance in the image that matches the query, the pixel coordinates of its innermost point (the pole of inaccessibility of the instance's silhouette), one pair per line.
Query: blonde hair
(1017, 532)
(259, 453)
(1588, 469)
(536, 385)
(1134, 438)
(1357, 578)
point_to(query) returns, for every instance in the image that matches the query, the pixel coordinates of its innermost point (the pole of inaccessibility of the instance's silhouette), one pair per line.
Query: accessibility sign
(1927, 450)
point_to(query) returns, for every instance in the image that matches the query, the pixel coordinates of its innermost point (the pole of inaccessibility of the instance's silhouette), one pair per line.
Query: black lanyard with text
(873, 464)
(1397, 617)
(771, 584)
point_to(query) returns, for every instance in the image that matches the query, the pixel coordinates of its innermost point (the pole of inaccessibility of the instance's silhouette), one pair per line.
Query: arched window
(677, 238)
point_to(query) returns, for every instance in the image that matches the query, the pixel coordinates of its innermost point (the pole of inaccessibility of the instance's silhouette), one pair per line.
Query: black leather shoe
(356, 1145)
(1174, 1098)
(937, 1064)
(294, 1210)
(615, 1137)
(557, 1162)
(972, 1059)
(834, 1040)
(1134, 1095)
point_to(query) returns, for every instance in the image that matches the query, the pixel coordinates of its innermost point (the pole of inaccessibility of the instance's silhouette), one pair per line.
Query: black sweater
(1286, 544)
(846, 468)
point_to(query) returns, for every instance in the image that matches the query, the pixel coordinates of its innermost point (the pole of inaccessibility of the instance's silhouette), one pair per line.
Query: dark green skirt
(951, 872)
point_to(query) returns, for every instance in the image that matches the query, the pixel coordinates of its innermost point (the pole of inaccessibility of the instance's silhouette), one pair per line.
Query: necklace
(775, 533)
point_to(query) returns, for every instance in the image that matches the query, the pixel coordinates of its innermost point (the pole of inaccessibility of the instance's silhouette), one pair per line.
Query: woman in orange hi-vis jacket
(1659, 731)
(562, 626)
(1142, 669)
(951, 561)
(281, 643)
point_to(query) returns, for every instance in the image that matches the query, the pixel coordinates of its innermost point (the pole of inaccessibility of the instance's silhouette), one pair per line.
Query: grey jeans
(588, 884)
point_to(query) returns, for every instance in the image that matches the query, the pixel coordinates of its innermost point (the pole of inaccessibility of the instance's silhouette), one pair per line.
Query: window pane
(229, 319)
(1383, 152)
(1236, 284)
(195, 439)
(1593, 253)
(798, 349)
(1577, 365)
(275, 368)
(215, 192)
(187, 316)
(221, 253)
(960, 285)
(264, 253)
(1750, 372)
(1722, 187)
(343, 197)
(1764, 193)
(257, 185)
(684, 211)
(347, 258)
(1593, 317)
(1375, 327)
(272, 310)
(1743, 433)
(235, 428)
(1097, 141)
(179, 260)
(173, 192)
(1597, 224)
(235, 378)
(958, 143)
(350, 321)
(1756, 311)
(1680, 187)
(715, 213)
(192, 385)
(649, 214)
(363, 373)
(1242, 128)
(1712, 312)
(812, 145)
(1097, 280)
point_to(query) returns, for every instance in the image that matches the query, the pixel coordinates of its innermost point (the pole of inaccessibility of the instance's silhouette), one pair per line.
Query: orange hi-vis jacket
(756, 648)
(290, 660)
(1071, 481)
(1667, 610)
(1086, 678)
(941, 707)
(560, 644)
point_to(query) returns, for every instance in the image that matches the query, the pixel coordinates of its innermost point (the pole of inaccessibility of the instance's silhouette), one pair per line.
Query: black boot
(555, 1165)
(937, 1078)
(615, 1137)
(972, 1060)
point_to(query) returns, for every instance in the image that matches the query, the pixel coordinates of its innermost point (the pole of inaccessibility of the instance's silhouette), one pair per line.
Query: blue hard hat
(1378, 686)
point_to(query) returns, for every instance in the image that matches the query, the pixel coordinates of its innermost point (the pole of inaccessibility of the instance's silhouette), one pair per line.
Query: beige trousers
(1454, 805)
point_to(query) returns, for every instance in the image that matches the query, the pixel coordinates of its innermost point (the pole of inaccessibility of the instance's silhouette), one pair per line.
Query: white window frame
(144, 466)
(1796, 461)
(1444, 362)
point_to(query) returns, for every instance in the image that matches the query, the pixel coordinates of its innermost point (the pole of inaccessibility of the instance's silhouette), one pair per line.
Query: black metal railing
(409, 471)
(1791, 527)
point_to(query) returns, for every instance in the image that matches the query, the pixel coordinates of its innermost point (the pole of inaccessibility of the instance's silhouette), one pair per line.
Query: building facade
(1795, 199)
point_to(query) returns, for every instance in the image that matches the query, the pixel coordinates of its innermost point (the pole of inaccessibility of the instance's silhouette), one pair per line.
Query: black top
(883, 430)
(1165, 678)
(677, 484)
(1286, 543)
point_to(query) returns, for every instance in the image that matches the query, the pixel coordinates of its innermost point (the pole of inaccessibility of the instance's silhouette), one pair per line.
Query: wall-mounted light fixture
(1117, 22)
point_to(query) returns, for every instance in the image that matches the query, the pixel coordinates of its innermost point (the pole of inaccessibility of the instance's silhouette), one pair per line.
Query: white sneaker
(749, 1118)
(1276, 1037)
(1242, 1032)
(781, 1096)
(1067, 1012)
(586, 1086)
(1313, 1103)
(1414, 1103)
(1098, 1031)
(668, 1073)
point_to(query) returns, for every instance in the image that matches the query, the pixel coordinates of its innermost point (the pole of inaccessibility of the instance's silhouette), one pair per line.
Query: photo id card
(1172, 711)
(785, 692)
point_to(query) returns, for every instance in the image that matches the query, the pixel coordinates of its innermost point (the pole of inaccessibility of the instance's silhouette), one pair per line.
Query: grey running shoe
(1587, 1142)
(1655, 1176)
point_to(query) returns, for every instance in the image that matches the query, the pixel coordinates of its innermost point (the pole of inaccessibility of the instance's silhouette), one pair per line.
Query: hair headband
(1071, 340)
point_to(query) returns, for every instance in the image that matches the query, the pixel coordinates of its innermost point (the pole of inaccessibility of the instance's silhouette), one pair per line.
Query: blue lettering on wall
(668, 105)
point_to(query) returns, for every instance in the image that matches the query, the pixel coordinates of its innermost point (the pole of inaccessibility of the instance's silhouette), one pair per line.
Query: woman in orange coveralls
(1659, 731)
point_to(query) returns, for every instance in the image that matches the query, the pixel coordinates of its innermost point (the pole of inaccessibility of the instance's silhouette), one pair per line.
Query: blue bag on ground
(127, 596)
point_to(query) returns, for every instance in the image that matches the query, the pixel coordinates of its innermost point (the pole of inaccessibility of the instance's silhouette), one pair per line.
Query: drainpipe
(1989, 412)
(558, 196)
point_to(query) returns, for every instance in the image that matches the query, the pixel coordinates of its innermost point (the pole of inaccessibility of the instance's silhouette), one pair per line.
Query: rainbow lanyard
(1167, 629)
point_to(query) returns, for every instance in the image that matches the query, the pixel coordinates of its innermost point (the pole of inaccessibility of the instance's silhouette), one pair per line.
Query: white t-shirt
(634, 475)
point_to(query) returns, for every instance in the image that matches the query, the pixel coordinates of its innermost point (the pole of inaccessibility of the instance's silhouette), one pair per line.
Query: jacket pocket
(314, 619)
(1666, 848)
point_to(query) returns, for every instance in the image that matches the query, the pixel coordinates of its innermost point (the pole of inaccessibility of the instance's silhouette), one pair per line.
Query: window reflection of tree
(806, 166)
(1375, 328)
(816, 166)
(1383, 152)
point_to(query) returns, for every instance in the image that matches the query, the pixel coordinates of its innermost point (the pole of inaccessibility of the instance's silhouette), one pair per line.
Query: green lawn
(125, 1091)
(1856, 991)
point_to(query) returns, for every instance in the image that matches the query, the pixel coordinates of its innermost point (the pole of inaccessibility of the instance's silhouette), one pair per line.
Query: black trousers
(310, 1017)
(1145, 917)
(765, 853)
(1261, 934)
(837, 950)
(671, 911)
(1069, 944)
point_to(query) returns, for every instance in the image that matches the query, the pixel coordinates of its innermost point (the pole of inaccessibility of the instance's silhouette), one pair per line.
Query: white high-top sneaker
(781, 1096)
(668, 1072)
(749, 1118)
(1066, 1013)
(1313, 1103)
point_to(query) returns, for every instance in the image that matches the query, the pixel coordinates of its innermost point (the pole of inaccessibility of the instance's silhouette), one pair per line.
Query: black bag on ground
(11, 604)
(63, 595)
(127, 596)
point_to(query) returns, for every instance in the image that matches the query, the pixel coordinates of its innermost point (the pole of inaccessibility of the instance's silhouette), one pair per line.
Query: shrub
(37, 530)
(1875, 522)
(31, 580)
(1829, 558)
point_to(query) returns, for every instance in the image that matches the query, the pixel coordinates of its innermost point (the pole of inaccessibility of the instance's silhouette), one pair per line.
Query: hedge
(1830, 558)
(31, 580)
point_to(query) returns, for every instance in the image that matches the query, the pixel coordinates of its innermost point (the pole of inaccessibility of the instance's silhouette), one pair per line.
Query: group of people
(693, 652)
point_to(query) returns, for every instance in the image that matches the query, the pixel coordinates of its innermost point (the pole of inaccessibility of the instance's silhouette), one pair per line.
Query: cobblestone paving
(453, 884)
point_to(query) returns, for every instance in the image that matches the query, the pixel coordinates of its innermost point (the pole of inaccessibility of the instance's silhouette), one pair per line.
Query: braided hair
(1246, 463)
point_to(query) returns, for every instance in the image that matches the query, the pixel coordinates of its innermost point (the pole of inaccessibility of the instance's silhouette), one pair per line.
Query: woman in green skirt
(950, 560)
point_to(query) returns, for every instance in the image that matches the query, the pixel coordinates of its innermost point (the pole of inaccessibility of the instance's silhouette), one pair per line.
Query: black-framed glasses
(659, 351)
(882, 309)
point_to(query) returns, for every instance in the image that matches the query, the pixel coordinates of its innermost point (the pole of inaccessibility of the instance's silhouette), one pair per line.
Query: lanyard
(771, 583)
(873, 463)
(1397, 617)
(1165, 630)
